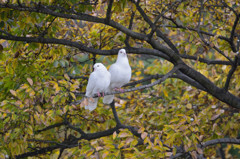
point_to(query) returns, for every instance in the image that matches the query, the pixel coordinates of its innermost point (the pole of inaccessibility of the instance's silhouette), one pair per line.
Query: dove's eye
(97, 65)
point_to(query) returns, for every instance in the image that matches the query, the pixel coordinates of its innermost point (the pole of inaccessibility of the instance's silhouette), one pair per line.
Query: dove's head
(98, 67)
(122, 52)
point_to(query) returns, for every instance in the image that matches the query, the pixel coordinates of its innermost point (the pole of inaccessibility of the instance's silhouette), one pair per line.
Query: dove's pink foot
(119, 89)
(103, 94)
(99, 94)
(115, 89)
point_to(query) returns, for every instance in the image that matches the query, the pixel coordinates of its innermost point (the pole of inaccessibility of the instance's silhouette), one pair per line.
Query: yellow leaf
(31, 93)
(165, 93)
(89, 153)
(13, 92)
(55, 85)
(73, 95)
(189, 106)
(66, 77)
(30, 81)
(114, 135)
(24, 86)
(141, 64)
(138, 73)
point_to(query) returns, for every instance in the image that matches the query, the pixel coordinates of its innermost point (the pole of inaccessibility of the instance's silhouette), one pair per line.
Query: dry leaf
(30, 81)
(13, 92)
(144, 135)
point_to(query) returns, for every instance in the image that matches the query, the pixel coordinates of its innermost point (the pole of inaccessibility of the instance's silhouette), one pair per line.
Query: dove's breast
(102, 83)
(120, 75)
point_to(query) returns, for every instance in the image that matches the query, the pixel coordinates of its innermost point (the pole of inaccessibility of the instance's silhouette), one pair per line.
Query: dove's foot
(119, 89)
(99, 94)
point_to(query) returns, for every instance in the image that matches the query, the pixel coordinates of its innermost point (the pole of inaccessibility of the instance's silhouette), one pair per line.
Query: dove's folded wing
(91, 84)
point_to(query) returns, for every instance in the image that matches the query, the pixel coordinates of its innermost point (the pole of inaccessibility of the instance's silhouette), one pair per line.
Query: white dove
(98, 81)
(120, 74)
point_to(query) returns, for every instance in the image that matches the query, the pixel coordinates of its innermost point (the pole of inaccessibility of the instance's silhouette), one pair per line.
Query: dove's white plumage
(98, 81)
(120, 74)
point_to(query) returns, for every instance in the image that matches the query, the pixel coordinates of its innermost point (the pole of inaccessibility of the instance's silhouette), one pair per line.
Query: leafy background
(39, 83)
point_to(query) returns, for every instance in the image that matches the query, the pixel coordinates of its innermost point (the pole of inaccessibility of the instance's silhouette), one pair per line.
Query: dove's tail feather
(92, 104)
(108, 99)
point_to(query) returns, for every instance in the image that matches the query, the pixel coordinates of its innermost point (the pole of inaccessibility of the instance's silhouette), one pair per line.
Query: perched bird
(98, 81)
(120, 75)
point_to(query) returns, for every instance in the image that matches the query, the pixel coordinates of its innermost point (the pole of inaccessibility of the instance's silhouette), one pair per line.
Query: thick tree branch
(115, 114)
(73, 15)
(109, 12)
(234, 49)
(220, 141)
(81, 46)
(211, 88)
(234, 67)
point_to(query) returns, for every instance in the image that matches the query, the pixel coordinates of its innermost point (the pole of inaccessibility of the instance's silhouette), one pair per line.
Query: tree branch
(73, 15)
(220, 141)
(208, 62)
(82, 47)
(129, 27)
(234, 49)
(229, 76)
(159, 33)
(203, 39)
(51, 127)
(179, 26)
(108, 14)
(115, 114)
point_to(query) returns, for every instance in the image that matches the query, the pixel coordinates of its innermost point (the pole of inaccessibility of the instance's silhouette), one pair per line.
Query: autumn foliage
(183, 100)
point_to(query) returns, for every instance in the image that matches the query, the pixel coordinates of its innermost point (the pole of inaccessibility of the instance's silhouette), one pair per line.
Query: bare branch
(203, 39)
(209, 62)
(50, 127)
(159, 33)
(234, 49)
(76, 129)
(179, 26)
(129, 27)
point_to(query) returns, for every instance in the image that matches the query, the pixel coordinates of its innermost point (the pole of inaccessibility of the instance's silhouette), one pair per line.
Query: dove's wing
(91, 84)
(91, 102)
